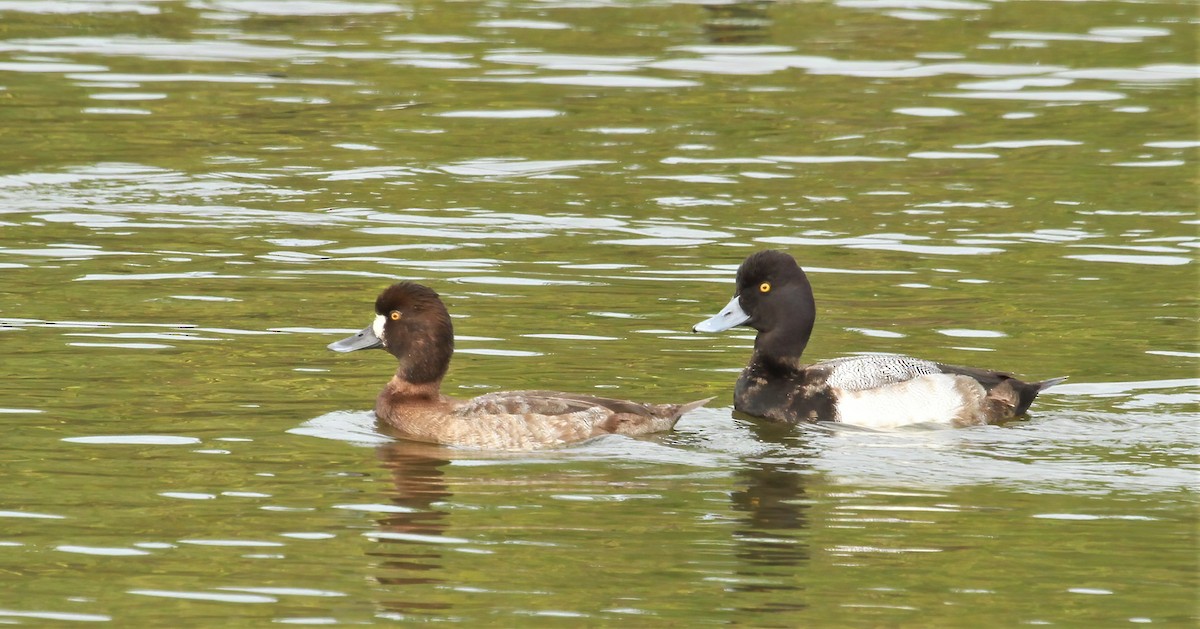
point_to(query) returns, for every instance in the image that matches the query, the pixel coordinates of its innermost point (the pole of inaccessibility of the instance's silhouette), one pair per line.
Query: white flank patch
(377, 327)
(924, 399)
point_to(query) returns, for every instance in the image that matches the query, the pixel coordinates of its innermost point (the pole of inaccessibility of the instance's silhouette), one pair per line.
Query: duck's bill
(730, 316)
(367, 339)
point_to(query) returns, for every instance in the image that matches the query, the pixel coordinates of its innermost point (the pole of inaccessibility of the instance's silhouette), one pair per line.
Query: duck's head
(412, 324)
(772, 296)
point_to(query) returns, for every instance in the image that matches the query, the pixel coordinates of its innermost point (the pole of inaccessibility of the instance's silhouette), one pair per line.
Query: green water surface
(196, 197)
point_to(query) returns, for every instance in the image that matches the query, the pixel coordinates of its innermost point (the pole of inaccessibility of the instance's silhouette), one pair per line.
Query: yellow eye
(765, 287)
(395, 316)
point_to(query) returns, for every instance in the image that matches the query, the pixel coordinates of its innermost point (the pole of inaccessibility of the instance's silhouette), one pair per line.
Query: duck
(871, 390)
(412, 324)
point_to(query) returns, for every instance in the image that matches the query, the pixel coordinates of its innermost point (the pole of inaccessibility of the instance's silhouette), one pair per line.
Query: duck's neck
(424, 358)
(400, 391)
(780, 347)
(418, 379)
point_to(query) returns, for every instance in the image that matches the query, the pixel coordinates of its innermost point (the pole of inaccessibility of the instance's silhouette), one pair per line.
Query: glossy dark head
(772, 295)
(412, 324)
(774, 291)
(409, 298)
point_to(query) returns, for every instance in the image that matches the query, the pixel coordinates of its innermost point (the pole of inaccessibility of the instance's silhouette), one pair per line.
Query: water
(195, 197)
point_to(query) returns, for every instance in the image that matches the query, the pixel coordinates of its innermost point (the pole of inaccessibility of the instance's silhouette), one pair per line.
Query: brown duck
(412, 324)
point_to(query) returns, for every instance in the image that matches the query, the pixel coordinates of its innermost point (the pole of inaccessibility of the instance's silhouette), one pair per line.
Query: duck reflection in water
(772, 538)
(738, 22)
(406, 558)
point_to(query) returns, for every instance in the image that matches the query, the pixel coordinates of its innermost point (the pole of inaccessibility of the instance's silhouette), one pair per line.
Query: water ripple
(1132, 259)
(599, 80)
(80, 6)
(933, 5)
(501, 113)
(154, 440)
(526, 24)
(550, 61)
(1038, 95)
(57, 616)
(495, 167)
(1103, 35)
(304, 7)
(207, 596)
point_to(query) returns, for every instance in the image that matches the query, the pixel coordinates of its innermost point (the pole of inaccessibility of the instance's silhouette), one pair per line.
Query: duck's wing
(987, 377)
(871, 371)
(544, 403)
(532, 418)
(556, 404)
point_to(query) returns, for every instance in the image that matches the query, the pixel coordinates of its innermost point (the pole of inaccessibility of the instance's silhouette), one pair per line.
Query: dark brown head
(773, 296)
(412, 324)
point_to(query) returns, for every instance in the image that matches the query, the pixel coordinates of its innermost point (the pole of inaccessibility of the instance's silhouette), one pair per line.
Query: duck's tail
(678, 410)
(691, 406)
(1046, 384)
(648, 418)
(1027, 391)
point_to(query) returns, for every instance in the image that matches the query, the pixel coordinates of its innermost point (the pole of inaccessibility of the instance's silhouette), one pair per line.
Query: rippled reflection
(773, 538)
(410, 539)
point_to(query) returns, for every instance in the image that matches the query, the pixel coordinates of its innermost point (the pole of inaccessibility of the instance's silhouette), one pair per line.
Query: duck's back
(523, 420)
(870, 371)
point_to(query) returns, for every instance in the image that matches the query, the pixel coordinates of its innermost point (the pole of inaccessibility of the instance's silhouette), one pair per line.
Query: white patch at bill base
(377, 327)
